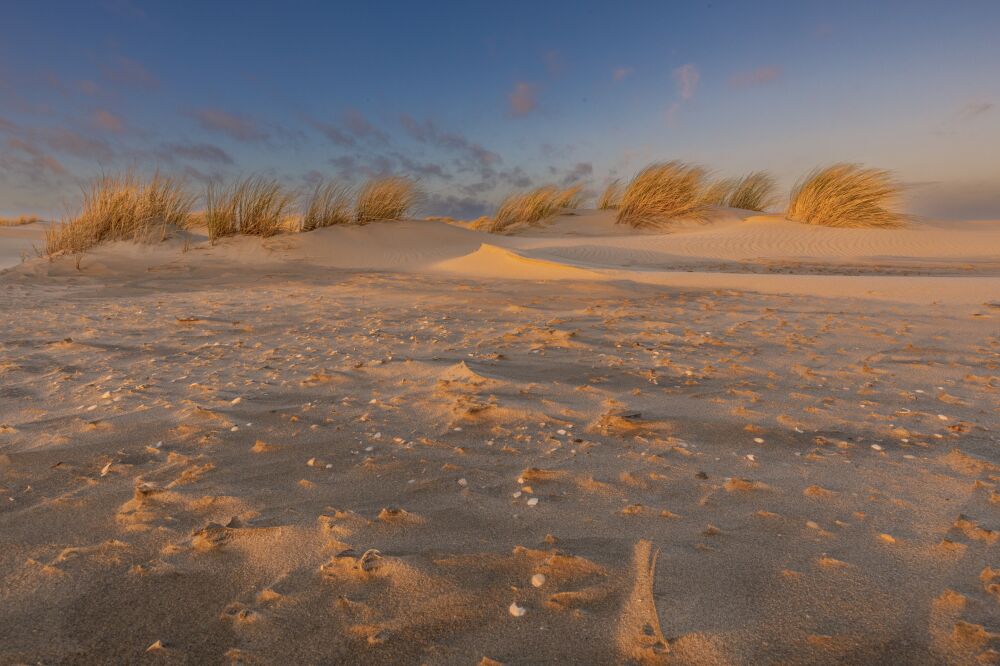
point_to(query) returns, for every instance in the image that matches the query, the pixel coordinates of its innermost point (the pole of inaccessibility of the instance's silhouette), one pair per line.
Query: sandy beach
(748, 441)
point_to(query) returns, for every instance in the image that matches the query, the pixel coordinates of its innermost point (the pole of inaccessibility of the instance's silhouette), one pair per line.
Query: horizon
(481, 101)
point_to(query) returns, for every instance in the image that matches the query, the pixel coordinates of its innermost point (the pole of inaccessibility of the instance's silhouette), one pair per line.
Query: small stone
(758, 440)
(235, 401)
(463, 483)
(876, 447)
(517, 611)
(538, 580)
(533, 501)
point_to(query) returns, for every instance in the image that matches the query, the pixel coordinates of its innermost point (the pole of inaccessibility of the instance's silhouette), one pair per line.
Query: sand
(744, 442)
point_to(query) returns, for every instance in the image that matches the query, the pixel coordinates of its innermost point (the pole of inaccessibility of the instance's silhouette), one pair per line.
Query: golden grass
(253, 206)
(755, 191)
(611, 197)
(386, 199)
(664, 191)
(19, 221)
(846, 195)
(122, 207)
(531, 207)
(329, 205)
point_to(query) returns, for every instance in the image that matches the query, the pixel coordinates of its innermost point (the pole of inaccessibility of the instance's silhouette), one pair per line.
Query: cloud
(462, 208)
(238, 127)
(974, 109)
(471, 154)
(200, 152)
(63, 140)
(670, 116)
(359, 126)
(687, 77)
(23, 158)
(555, 64)
(104, 120)
(336, 135)
(580, 171)
(755, 77)
(426, 169)
(621, 73)
(522, 99)
(129, 72)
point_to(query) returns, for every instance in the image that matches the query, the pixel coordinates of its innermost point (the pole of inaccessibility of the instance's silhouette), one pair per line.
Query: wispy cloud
(106, 121)
(200, 152)
(361, 127)
(621, 73)
(471, 154)
(128, 72)
(336, 135)
(975, 109)
(555, 64)
(755, 77)
(236, 126)
(687, 78)
(522, 99)
(580, 171)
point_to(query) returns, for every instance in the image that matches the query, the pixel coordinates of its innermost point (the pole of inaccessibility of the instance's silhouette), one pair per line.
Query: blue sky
(480, 98)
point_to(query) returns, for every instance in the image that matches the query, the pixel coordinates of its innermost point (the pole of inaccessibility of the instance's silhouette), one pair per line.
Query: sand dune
(417, 443)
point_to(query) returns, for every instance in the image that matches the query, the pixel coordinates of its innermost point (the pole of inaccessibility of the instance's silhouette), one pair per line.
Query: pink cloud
(687, 77)
(755, 77)
(236, 126)
(522, 99)
(107, 121)
(129, 72)
(620, 73)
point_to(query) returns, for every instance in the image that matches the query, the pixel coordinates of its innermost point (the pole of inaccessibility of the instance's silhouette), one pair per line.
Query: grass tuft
(329, 205)
(664, 191)
(612, 196)
(846, 195)
(122, 207)
(19, 221)
(386, 199)
(755, 191)
(531, 207)
(253, 206)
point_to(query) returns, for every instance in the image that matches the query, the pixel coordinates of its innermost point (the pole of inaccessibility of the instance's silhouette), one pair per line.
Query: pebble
(758, 440)
(517, 611)
(463, 483)
(533, 501)
(876, 447)
(538, 580)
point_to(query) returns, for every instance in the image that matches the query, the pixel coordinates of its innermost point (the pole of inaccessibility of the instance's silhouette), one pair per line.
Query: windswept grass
(253, 206)
(121, 207)
(18, 221)
(386, 199)
(846, 195)
(664, 191)
(755, 191)
(531, 207)
(611, 197)
(329, 205)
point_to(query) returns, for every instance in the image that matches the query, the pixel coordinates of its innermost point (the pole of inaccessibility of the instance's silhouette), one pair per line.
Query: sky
(478, 99)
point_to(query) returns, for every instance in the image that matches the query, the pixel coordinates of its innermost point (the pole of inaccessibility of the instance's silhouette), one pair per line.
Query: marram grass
(846, 195)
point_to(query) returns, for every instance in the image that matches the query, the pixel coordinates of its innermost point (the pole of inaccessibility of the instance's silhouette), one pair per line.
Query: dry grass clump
(386, 199)
(611, 197)
(755, 191)
(532, 207)
(19, 221)
(662, 192)
(846, 195)
(122, 207)
(329, 205)
(253, 206)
